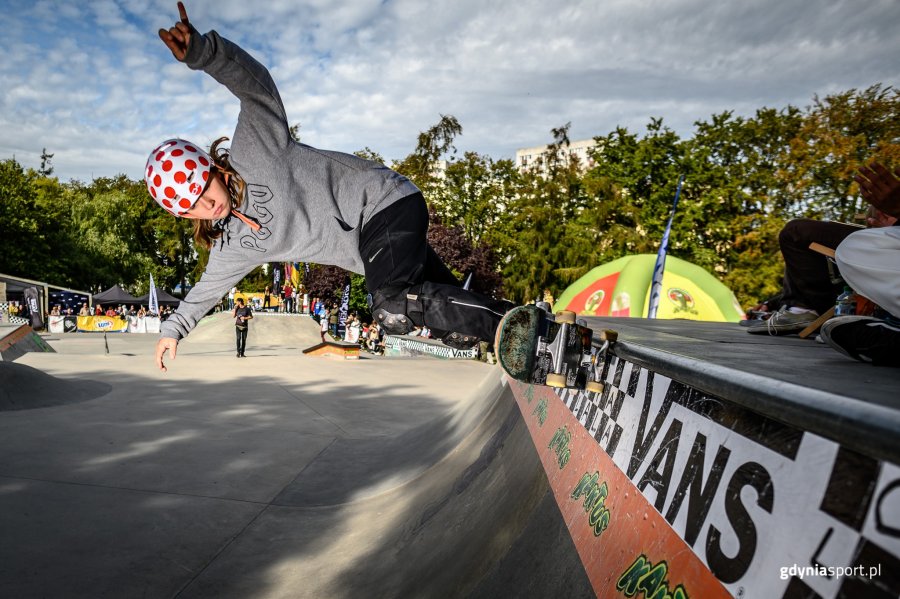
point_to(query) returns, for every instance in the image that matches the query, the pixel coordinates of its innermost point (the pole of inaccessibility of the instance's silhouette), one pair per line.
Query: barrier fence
(103, 324)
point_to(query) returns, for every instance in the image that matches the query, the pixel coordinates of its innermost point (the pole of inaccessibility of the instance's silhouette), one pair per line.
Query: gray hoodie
(310, 203)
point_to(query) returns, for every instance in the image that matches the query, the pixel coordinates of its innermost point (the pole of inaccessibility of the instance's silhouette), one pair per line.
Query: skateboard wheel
(594, 387)
(556, 380)
(609, 335)
(565, 317)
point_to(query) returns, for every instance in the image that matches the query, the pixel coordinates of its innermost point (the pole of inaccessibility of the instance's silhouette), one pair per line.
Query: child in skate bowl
(268, 198)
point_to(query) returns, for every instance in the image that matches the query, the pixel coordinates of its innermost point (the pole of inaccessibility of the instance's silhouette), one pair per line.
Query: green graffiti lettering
(587, 481)
(679, 593)
(596, 496)
(558, 436)
(560, 444)
(628, 582)
(654, 580)
(643, 576)
(541, 411)
(564, 458)
(529, 394)
(599, 519)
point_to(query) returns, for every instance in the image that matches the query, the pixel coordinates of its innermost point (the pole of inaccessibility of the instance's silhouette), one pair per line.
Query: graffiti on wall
(769, 509)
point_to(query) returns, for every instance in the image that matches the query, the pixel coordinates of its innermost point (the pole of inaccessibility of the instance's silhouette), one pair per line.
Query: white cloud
(376, 73)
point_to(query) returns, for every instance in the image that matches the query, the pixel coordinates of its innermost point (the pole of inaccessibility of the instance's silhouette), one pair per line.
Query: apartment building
(528, 157)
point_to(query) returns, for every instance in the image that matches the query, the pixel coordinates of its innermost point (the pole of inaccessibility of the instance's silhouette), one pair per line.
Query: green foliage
(523, 232)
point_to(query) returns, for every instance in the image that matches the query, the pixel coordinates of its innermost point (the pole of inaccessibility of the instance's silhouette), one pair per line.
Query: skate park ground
(274, 475)
(284, 475)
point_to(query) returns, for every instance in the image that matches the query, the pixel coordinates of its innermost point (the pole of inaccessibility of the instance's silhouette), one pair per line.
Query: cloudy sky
(91, 81)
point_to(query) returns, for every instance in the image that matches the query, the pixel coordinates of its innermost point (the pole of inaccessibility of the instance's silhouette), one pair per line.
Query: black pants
(807, 280)
(241, 335)
(405, 276)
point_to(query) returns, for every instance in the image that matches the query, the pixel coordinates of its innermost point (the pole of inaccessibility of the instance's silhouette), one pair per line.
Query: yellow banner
(100, 324)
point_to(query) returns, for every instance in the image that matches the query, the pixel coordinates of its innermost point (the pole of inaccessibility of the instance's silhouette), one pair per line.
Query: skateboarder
(271, 199)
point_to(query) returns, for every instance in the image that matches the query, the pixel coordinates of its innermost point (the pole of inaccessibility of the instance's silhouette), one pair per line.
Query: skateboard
(536, 347)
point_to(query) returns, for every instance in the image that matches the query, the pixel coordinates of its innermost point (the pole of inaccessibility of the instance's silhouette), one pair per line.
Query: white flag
(153, 301)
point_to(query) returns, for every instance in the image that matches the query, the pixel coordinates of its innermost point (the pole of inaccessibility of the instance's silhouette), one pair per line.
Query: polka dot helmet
(176, 174)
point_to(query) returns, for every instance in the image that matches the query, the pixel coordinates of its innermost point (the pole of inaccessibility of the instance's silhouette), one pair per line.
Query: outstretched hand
(178, 37)
(880, 187)
(162, 346)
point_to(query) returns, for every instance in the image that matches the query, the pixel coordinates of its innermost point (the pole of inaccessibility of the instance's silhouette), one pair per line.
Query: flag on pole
(153, 300)
(345, 310)
(660, 267)
(277, 278)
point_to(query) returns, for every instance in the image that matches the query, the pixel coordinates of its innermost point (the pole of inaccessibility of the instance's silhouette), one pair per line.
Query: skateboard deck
(535, 347)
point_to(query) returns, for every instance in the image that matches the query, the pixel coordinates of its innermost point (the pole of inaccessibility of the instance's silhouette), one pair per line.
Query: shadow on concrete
(166, 488)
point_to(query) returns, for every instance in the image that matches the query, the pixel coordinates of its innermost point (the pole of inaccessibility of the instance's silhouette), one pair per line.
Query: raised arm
(262, 110)
(178, 37)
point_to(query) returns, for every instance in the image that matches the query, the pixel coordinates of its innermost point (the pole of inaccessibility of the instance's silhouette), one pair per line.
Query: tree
(464, 258)
(839, 134)
(23, 226)
(46, 167)
(422, 166)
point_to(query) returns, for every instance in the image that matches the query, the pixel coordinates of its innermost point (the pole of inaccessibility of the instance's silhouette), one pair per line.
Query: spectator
(351, 330)
(231, 295)
(98, 310)
(110, 312)
(84, 310)
(870, 263)
(288, 298)
(267, 298)
(242, 316)
(55, 311)
(809, 287)
(323, 326)
(333, 322)
(141, 312)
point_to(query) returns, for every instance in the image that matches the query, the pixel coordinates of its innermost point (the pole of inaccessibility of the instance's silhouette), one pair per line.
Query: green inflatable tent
(622, 288)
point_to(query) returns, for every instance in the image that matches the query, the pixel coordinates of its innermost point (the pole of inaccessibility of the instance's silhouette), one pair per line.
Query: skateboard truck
(535, 347)
(558, 377)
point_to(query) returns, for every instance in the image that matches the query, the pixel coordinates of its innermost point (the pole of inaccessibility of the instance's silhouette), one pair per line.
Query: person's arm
(261, 107)
(220, 275)
(881, 188)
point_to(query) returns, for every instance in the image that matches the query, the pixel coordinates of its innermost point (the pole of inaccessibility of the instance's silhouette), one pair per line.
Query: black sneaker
(864, 338)
(459, 341)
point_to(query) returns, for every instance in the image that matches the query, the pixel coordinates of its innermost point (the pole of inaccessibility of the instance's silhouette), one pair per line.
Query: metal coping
(869, 428)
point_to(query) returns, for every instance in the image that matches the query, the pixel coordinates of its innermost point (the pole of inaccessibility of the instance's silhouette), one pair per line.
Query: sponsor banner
(70, 324)
(627, 548)
(147, 324)
(62, 324)
(102, 324)
(771, 510)
(33, 303)
(411, 346)
(56, 324)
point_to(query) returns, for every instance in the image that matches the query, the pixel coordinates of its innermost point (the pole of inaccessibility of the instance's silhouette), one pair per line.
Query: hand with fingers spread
(178, 37)
(880, 187)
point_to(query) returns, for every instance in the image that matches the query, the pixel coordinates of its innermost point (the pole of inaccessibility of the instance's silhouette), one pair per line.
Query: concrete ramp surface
(275, 475)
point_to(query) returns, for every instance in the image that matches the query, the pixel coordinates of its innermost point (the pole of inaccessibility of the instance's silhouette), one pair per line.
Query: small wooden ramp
(336, 349)
(17, 340)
